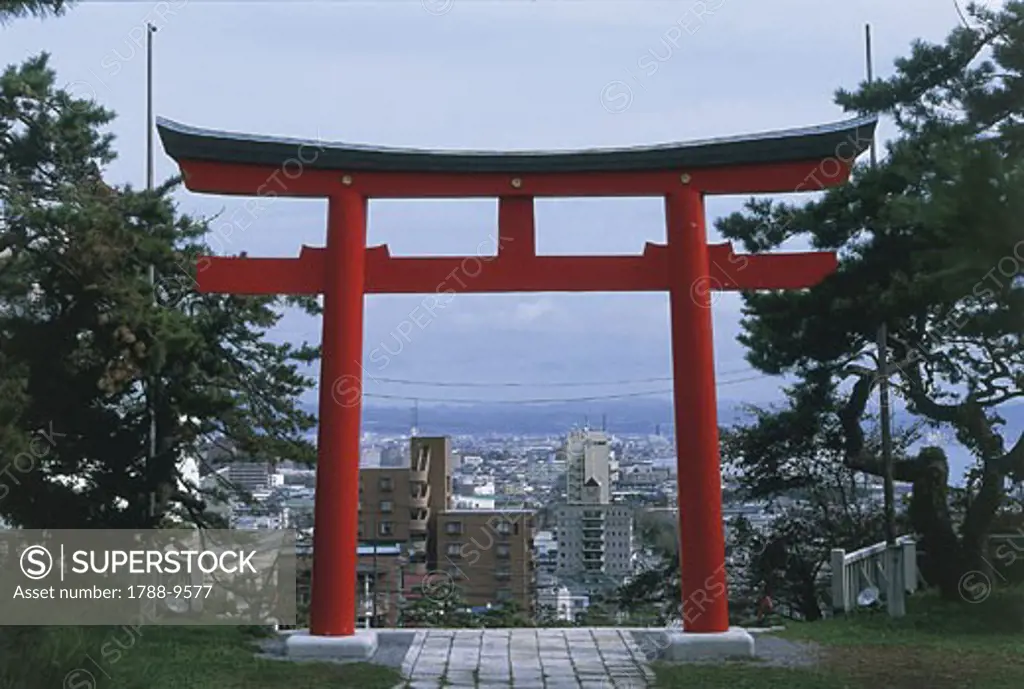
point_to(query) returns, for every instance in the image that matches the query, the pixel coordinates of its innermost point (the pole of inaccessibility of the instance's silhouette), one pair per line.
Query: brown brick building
(487, 553)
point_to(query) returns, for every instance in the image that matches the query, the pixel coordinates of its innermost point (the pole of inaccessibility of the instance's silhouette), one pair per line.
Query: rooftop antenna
(415, 418)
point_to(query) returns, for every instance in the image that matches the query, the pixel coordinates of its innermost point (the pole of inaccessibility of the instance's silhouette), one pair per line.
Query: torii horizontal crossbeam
(475, 274)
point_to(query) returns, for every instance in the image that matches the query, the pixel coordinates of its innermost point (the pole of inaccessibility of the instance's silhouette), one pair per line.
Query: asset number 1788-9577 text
(184, 591)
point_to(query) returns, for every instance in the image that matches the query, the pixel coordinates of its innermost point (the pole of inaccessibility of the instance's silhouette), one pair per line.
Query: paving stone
(460, 678)
(422, 666)
(556, 678)
(633, 680)
(528, 679)
(526, 659)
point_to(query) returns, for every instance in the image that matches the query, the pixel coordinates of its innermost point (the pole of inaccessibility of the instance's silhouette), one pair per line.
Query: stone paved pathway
(525, 659)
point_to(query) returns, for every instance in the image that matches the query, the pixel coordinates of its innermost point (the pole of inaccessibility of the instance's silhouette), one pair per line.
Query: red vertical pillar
(336, 511)
(702, 548)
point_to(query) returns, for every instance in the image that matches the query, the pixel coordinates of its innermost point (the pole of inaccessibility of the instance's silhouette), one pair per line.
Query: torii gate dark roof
(183, 142)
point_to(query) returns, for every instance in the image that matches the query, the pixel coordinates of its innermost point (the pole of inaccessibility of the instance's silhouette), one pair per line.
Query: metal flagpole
(151, 402)
(894, 565)
(149, 105)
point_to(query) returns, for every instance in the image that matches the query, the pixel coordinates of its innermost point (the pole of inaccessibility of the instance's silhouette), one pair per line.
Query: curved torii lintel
(804, 159)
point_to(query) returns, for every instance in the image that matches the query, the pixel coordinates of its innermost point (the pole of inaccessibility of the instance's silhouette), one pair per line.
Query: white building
(370, 458)
(644, 475)
(564, 605)
(250, 476)
(261, 522)
(587, 467)
(473, 502)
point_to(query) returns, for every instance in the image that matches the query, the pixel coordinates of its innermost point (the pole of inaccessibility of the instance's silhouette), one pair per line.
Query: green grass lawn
(938, 645)
(162, 658)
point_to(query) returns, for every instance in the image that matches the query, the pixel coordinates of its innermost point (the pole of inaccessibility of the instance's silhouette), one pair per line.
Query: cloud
(494, 76)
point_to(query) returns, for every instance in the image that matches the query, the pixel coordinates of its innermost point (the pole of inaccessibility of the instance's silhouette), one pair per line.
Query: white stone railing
(868, 567)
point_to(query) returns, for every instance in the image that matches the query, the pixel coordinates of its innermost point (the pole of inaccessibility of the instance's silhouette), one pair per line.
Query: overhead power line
(547, 384)
(548, 400)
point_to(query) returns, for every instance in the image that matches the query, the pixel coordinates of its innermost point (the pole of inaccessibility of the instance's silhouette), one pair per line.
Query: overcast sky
(501, 74)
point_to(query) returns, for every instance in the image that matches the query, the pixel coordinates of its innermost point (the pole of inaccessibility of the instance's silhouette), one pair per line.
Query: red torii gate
(686, 267)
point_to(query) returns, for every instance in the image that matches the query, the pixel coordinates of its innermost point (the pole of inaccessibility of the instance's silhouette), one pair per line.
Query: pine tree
(930, 245)
(13, 9)
(86, 343)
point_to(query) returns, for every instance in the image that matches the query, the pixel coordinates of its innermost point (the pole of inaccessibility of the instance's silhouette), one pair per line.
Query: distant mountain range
(625, 416)
(630, 416)
(622, 416)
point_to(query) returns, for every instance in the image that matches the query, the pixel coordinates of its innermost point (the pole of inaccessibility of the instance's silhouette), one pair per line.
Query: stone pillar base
(683, 646)
(301, 645)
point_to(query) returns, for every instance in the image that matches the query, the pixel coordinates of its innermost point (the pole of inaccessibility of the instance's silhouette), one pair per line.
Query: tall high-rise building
(595, 536)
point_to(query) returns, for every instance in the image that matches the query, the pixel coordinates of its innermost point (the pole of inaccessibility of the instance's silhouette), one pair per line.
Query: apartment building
(252, 477)
(595, 540)
(595, 537)
(397, 506)
(489, 555)
(410, 508)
